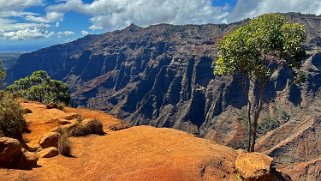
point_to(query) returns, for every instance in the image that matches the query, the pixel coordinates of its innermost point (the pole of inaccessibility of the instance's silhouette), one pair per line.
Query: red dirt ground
(137, 153)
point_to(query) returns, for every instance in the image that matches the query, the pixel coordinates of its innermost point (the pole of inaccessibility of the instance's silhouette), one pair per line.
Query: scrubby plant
(89, 127)
(79, 119)
(120, 126)
(268, 123)
(64, 145)
(40, 87)
(61, 106)
(12, 123)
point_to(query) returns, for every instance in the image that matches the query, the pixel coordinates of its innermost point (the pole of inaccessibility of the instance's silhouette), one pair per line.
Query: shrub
(86, 127)
(94, 126)
(78, 130)
(64, 145)
(40, 87)
(120, 126)
(12, 123)
(61, 106)
(79, 119)
(268, 123)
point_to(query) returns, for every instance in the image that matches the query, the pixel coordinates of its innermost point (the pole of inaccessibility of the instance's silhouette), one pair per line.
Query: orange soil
(137, 153)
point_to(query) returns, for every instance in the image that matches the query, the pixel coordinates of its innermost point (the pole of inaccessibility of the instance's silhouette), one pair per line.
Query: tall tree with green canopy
(254, 52)
(40, 87)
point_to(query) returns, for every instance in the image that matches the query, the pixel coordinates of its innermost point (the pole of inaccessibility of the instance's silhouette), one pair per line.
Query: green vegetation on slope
(40, 87)
(12, 123)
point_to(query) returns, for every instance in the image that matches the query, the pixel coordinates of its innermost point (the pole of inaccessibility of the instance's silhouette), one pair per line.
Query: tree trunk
(249, 108)
(256, 114)
(255, 121)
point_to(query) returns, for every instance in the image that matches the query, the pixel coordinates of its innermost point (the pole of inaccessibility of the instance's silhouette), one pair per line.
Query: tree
(254, 52)
(40, 87)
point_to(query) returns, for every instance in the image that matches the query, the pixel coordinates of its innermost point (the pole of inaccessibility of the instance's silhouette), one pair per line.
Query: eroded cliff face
(162, 75)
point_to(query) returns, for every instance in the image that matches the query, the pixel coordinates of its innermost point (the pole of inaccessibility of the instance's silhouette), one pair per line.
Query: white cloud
(49, 18)
(32, 27)
(116, 14)
(108, 15)
(65, 33)
(84, 32)
(252, 8)
(7, 5)
(25, 34)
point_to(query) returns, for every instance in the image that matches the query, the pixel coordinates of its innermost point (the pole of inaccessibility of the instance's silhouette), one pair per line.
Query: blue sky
(27, 25)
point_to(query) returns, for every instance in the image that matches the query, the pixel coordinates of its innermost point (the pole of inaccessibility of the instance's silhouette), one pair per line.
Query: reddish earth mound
(137, 153)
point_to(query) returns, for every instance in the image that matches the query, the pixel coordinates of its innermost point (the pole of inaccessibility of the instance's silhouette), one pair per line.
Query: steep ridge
(305, 171)
(9, 58)
(162, 76)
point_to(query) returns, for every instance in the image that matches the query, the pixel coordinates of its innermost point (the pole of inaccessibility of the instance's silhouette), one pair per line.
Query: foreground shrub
(12, 123)
(120, 126)
(64, 145)
(40, 87)
(86, 127)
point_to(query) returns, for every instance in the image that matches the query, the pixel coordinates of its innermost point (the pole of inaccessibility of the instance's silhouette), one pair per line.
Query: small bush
(61, 106)
(78, 130)
(12, 123)
(87, 127)
(79, 118)
(94, 127)
(120, 126)
(268, 123)
(64, 145)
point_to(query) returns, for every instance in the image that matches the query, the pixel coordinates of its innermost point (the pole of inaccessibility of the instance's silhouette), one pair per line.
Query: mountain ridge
(162, 76)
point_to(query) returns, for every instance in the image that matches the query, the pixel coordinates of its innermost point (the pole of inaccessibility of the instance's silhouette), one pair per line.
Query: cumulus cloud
(253, 8)
(6, 5)
(49, 18)
(116, 14)
(84, 32)
(65, 33)
(25, 34)
(108, 15)
(33, 26)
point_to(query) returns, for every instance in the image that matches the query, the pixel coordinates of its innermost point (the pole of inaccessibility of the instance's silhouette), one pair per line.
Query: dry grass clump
(87, 127)
(61, 106)
(120, 126)
(64, 145)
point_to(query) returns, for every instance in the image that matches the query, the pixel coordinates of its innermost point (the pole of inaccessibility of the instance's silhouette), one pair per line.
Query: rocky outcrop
(257, 166)
(10, 151)
(253, 165)
(48, 152)
(12, 156)
(29, 159)
(49, 140)
(52, 105)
